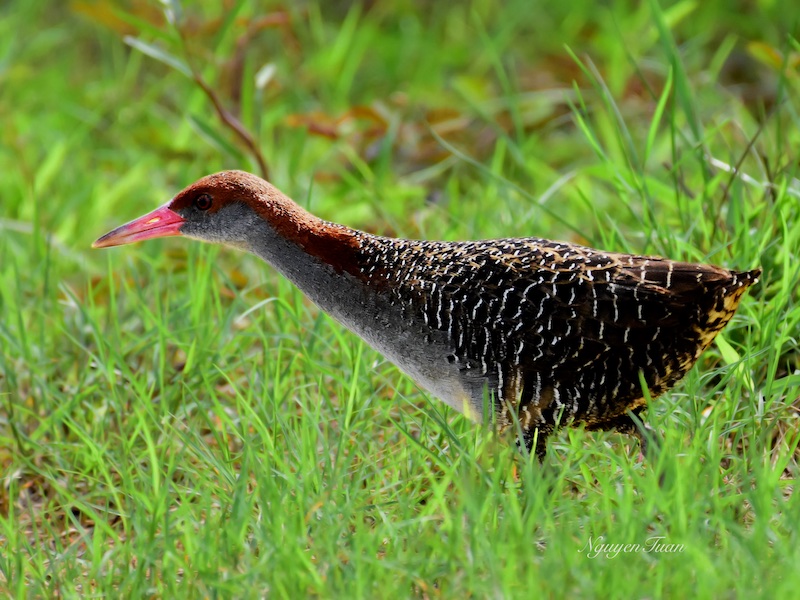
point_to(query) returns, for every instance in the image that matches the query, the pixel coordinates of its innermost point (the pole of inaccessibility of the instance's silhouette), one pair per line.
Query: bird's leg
(535, 440)
(632, 424)
(649, 440)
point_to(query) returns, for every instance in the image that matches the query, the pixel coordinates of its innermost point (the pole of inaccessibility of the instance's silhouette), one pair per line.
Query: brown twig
(233, 123)
(734, 173)
(227, 118)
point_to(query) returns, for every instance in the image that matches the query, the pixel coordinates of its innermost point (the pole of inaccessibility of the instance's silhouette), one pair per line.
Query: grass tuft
(178, 421)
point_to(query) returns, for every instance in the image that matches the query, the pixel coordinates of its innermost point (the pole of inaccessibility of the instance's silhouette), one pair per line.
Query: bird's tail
(744, 279)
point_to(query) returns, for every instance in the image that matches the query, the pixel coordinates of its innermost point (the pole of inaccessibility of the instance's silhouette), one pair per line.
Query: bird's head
(244, 211)
(221, 208)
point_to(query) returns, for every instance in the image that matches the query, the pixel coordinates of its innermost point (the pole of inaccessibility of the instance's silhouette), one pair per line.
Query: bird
(526, 334)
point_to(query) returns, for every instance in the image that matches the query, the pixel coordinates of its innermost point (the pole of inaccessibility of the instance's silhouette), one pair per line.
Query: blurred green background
(178, 421)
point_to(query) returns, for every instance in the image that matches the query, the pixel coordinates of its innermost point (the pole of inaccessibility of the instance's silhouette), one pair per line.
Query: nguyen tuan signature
(599, 547)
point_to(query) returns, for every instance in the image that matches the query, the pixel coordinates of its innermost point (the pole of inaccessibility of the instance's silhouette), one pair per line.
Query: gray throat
(341, 295)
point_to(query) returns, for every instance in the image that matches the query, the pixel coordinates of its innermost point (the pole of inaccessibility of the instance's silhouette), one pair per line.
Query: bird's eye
(203, 202)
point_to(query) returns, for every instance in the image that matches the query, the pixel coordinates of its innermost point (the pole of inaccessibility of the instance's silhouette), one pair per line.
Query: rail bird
(527, 333)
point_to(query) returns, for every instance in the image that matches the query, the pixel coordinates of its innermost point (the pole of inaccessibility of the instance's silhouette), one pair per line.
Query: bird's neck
(319, 257)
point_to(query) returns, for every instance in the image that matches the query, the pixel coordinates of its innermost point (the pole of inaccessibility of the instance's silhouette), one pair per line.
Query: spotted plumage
(555, 332)
(527, 334)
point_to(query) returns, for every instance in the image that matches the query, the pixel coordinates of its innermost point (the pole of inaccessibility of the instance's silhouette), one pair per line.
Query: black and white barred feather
(557, 332)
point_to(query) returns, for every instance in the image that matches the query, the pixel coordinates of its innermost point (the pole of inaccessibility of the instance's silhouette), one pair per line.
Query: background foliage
(178, 421)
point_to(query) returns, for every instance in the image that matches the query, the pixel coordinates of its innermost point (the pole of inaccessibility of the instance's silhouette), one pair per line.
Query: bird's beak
(162, 222)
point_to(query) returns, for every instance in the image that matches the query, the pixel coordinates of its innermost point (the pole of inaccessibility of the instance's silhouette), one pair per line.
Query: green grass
(178, 421)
